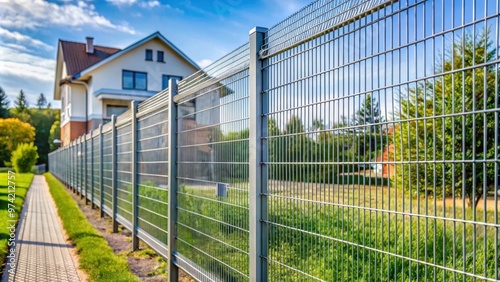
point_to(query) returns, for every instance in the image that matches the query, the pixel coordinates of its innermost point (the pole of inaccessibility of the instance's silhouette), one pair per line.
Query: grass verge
(22, 182)
(97, 259)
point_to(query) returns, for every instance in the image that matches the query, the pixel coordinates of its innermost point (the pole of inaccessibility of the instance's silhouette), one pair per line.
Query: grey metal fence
(353, 141)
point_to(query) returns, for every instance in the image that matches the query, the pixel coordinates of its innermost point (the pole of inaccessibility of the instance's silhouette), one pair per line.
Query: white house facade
(95, 82)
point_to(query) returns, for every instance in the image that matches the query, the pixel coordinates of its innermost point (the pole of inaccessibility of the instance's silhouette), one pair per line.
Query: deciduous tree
(12, 133)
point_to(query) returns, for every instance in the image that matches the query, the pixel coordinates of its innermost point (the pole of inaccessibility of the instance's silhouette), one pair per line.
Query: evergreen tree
(21, 104)
(369, 112)
(21, 110)
(4, 104)
(41, 102)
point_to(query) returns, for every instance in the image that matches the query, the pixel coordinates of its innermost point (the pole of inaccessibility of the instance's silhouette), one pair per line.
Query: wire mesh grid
(152, 175)
(213, 180)
(79, 165)
(88, 167)
(224, 67)
(156, 101)
(96, 163)
(313, 20)
(107, 171)
(383, 148)
(124, 172)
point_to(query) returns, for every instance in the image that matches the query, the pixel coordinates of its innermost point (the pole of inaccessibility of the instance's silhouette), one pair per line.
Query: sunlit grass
(22, 182)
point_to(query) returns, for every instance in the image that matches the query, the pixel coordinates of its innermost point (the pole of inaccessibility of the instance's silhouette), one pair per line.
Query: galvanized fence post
(173, 270)
(258, 186)
(70, 166)
(135, 192)
(101, 174)
(85, 171)
(73, 167)
(113, 174)
(81, 170)
(76, 172)
(75, 161)
(92, 184)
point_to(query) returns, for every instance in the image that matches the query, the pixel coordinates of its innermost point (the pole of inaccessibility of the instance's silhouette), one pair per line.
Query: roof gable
(132, 47)
(77, 59)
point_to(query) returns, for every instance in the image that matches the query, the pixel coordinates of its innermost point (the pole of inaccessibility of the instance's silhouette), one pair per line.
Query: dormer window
(149, 55)
(160, 57)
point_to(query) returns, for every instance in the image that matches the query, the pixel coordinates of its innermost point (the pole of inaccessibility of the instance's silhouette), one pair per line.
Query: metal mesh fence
(377, 158)
(88, 166)
(213, 179)
(107, 171)
(224, 67)
(383, 135)
(314, 20)
(152, 176)
(124, 173)
(96, 163)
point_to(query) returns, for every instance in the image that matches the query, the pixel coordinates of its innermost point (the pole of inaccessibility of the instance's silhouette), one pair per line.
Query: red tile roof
(77, 59)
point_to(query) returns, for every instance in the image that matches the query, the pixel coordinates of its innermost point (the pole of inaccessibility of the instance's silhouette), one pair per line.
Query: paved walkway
(41, 251)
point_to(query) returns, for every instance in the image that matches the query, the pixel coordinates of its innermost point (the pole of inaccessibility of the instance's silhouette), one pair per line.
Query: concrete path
(41, 250)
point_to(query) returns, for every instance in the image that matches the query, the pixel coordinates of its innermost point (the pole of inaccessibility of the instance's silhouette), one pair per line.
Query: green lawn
(97, 259)
(338, 232)
(21, 181)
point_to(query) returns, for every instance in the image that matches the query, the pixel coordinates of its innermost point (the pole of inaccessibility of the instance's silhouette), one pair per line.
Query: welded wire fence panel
(383, 148)
(213, 214)
(81, 171)
(71, 165)
(124, 173)
(152, 175)
(226, 66)
(76, 154)
(89, 161)
(96, 179)
(107, 171)
(314, 20)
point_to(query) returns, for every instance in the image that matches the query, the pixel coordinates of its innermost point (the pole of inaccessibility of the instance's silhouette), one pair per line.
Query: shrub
(24, 157)
(13, 132)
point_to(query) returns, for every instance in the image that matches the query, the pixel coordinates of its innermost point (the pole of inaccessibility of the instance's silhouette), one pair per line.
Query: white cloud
(204, 63)
(39, 13)
(150, 4)
(121, 3)
(25, 66)
(22, 39)
(14, 46)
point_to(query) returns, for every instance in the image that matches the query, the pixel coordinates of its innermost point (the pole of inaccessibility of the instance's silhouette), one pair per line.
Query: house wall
(74, 101)
(77, 102)
(72, 130)
(109, 76)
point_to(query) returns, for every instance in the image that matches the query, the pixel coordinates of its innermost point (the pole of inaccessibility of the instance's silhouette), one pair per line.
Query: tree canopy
(464, 132)
(13, 132)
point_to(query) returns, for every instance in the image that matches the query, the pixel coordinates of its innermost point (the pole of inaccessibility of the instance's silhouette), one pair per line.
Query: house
(95, 82)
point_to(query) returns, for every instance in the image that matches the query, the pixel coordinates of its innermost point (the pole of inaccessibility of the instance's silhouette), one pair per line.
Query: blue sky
(204, 30)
